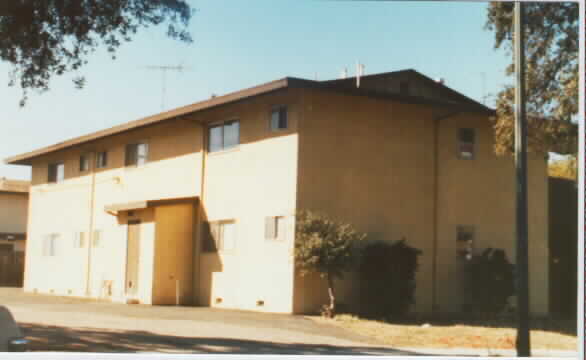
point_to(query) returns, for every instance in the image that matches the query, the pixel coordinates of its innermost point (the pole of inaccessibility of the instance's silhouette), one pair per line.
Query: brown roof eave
(25, 159)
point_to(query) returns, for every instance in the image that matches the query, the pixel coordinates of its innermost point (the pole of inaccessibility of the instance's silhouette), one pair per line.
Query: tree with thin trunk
(327, 248)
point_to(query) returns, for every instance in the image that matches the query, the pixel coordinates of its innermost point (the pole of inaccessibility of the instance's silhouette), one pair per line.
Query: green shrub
(490, 281)
(387, 278)
(325, 247)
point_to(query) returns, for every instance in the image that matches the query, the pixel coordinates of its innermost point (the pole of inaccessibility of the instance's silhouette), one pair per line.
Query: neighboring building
(13, 214)
(195, 205)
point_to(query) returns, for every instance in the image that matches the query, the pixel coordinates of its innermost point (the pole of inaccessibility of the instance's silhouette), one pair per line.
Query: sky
(239, 44)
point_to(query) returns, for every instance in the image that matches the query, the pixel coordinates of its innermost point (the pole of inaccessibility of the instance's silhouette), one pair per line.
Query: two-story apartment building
(196, 205)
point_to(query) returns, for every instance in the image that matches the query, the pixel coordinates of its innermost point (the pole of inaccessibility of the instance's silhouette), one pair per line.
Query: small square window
(465, 241)
(50, 244)
(84, 163)
(79, 240)
(97, 238)
(224, 136)
(101, 159)
(136, 154)
(279, 120)
(466, 143)
(219, 235)
(56, 172)
(275, 228)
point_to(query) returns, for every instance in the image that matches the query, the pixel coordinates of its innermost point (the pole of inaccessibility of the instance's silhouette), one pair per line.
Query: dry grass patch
(438, 335)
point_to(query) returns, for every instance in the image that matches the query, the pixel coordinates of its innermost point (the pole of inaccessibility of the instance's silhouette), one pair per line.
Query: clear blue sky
(239, 44)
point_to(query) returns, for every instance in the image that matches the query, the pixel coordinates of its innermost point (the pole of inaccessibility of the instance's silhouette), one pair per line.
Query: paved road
(66, 324)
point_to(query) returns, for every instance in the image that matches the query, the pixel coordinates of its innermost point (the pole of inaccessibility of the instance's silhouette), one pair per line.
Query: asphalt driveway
(54, 323)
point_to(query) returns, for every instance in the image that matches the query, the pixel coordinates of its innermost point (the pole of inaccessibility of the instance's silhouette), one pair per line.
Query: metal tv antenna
(163, 69)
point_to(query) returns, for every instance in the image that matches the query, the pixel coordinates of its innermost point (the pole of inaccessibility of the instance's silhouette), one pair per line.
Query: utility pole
(164, 70)
(523, 339)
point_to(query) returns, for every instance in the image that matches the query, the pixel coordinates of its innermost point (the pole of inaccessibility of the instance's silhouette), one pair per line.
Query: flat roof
(288, 82)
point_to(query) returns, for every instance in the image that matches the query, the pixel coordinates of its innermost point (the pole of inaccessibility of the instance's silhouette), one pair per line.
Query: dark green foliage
(387, 278)
(44, 38)
(325, 247)
(490, 281)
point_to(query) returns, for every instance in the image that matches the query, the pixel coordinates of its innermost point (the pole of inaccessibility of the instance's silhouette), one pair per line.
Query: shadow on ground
(57, 338)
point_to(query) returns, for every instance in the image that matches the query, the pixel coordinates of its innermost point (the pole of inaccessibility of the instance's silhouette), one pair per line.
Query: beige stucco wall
(247, 184)
(13, 212)
(69, 206)
(370, 162)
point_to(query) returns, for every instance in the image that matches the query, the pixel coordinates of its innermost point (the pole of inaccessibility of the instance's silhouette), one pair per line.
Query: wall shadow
(64, 339)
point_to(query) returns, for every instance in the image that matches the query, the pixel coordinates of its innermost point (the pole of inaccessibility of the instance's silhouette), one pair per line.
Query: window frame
(461, 143)
(135, 146)
(222, 125)
(278, 109)
(272, 232)
(85, 158)
(49, 248)
(100, 165)
(79, 240)
(54, 178)
(465, 247)
(213, 236)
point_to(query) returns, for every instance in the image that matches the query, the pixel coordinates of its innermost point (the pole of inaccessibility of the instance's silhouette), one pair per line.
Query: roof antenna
(164, 69)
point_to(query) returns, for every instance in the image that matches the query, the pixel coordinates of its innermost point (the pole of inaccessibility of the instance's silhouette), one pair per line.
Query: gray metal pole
(523, 342)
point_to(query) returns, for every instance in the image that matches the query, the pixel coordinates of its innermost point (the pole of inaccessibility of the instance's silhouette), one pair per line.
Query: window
(56, 172)
(84, 163)
(224, 136)
(136, 154)
(279, 118)
(219, 235)
(275, 228)
(466, 140)
(101, 159)
(79, 240)
(97, 238)
(50, 244)
(465, 241)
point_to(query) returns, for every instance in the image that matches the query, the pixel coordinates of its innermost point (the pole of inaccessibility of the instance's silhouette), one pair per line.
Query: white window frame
(278, 109)
(49, 248)
(101, 159)
(273, 231)
(216, 236)
(85, 159)
(57, 179)
(79, 239)
(138, 159)
(222, 125)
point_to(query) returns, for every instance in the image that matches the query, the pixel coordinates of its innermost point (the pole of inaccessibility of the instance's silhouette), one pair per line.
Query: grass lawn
(552, 335)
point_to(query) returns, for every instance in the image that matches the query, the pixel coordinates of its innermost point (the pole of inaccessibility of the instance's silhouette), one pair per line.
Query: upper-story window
(56, 172)
(466, 143)
(84, 163)
(136, 154)
(101, 159)
(279, 119)
(224, 136)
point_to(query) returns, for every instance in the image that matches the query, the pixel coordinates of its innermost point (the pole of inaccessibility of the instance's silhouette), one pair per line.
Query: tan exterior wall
(13, 212)
(247, 184)
(173, 267)
(371, 163)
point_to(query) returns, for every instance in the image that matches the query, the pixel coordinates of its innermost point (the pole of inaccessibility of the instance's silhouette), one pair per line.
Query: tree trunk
(332, 311)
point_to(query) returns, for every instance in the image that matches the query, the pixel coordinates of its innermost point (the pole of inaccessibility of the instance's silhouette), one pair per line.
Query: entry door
(132, 257)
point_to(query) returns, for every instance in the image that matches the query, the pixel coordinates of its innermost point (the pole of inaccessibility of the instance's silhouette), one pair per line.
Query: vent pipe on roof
(441, 80)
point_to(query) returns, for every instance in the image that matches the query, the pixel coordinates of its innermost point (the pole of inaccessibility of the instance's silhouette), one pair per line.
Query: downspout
(198, 244)
(91, 227)
(436, 121)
